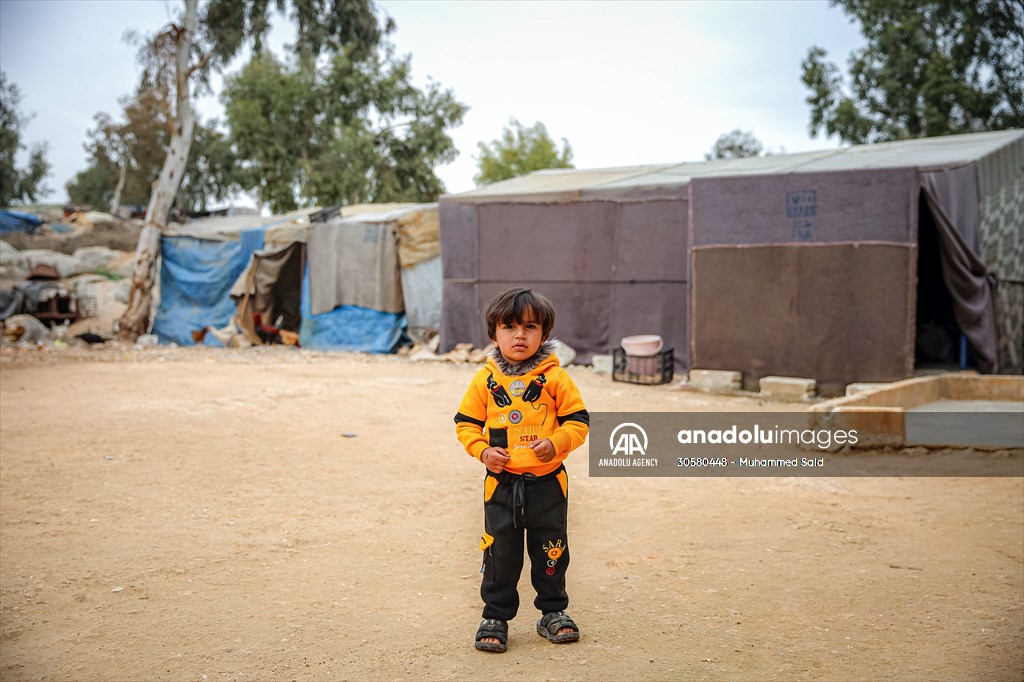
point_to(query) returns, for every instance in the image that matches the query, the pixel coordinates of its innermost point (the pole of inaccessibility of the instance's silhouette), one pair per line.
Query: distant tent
(19, 221)
(254, 275)
(387, 262)
(841, 265)
(200, 262)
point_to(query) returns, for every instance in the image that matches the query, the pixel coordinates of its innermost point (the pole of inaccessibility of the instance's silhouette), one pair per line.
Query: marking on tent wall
(801, 207)
(372, 234)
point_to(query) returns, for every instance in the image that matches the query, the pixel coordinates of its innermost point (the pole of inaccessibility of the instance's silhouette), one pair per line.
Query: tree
(125, 157)
(929, 68)
(520, 150)
(185, 53)
(18, 185)
(735, 145)
(95, 184)
(211, 174)
(354, 130)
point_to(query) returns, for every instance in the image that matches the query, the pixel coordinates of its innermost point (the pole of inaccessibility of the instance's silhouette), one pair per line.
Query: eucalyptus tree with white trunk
(183, 55)
(138, 316)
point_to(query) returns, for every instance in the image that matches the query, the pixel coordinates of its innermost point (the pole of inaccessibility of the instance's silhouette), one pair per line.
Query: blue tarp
(195, 291)
(252, 241)
(16, 221)
(349, 327)
(195, 286)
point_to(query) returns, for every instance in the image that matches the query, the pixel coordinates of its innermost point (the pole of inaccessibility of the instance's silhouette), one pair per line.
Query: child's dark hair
(514, 304)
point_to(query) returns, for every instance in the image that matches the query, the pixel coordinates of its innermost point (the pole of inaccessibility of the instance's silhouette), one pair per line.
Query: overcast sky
(626, 83)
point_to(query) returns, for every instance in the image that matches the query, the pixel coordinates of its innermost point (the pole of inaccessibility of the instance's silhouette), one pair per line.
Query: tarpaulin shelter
(199, 264)
(254, 274)
(19, 221)
(839, 265)
(380, 262)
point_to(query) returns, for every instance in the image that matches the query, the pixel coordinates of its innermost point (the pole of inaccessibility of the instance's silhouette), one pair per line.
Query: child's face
(519, 340)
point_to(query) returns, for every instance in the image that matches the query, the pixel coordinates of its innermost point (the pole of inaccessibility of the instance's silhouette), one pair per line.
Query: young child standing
(521, 416)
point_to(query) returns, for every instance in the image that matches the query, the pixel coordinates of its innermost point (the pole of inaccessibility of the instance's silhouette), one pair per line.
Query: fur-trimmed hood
(518, 369)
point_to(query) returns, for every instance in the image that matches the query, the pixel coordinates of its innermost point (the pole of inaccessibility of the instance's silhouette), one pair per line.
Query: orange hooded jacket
(512, 406)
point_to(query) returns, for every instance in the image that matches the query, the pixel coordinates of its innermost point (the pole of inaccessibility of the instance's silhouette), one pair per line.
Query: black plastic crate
(655, 369)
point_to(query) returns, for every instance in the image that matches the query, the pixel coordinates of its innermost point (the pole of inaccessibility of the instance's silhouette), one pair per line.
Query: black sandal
(492, 627)
(551, 623)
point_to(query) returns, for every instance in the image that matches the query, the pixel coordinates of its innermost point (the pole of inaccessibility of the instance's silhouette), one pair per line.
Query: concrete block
(565, 353)
(875, 426)
(716, 380)
(857, 389)
(792, 389)
(966, 386)
(602, 364)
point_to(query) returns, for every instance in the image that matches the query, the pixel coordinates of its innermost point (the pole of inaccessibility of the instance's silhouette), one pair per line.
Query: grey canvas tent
(846, 265)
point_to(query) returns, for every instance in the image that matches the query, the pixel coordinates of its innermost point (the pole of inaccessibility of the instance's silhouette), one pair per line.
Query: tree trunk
(138, 317)
(115, 205)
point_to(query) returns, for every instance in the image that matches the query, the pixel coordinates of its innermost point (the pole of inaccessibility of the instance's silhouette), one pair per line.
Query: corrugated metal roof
(929, 153)
(926, 154)
(560, 182)
(682, 173)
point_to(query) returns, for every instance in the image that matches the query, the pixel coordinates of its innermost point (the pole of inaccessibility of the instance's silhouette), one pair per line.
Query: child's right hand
(495, 459)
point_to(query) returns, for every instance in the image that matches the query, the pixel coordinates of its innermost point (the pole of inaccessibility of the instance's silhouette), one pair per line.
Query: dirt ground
(194, 514)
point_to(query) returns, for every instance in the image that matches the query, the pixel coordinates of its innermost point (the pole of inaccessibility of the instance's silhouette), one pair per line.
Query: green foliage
(16, 185)
(112, 276)
(324, 26)
(211, 175)
(339, 123)
(354, 130)
(261, 105)
(175, 69)
(95, 184)
(335, 26)
(140, 141)
(735, 145)
(929, 68)
(520, 150)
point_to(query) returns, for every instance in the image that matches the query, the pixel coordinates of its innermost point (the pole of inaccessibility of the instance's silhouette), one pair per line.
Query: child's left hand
(544, 449)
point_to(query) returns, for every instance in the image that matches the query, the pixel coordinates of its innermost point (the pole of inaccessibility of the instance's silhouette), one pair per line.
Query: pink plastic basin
(642, 346)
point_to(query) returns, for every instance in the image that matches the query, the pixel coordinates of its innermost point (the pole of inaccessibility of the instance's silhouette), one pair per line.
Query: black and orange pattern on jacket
(513, 405)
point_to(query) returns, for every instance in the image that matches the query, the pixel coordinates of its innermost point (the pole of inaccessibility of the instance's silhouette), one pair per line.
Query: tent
(856, 264)
(19, 221)
(372, 275)
(199, 264)
(611, 267)
(263, 278)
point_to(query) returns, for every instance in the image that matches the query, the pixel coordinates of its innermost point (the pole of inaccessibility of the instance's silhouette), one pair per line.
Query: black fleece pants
(535, 507)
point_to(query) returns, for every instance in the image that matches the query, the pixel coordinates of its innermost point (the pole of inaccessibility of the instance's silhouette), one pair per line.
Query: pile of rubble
(427, 352)
(82, 293)
(69, 230)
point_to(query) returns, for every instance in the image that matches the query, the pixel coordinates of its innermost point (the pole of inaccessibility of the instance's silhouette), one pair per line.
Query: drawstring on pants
(519, 497)
(519, 483)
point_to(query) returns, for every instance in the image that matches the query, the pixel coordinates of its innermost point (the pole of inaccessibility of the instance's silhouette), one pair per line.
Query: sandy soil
(196, 514)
